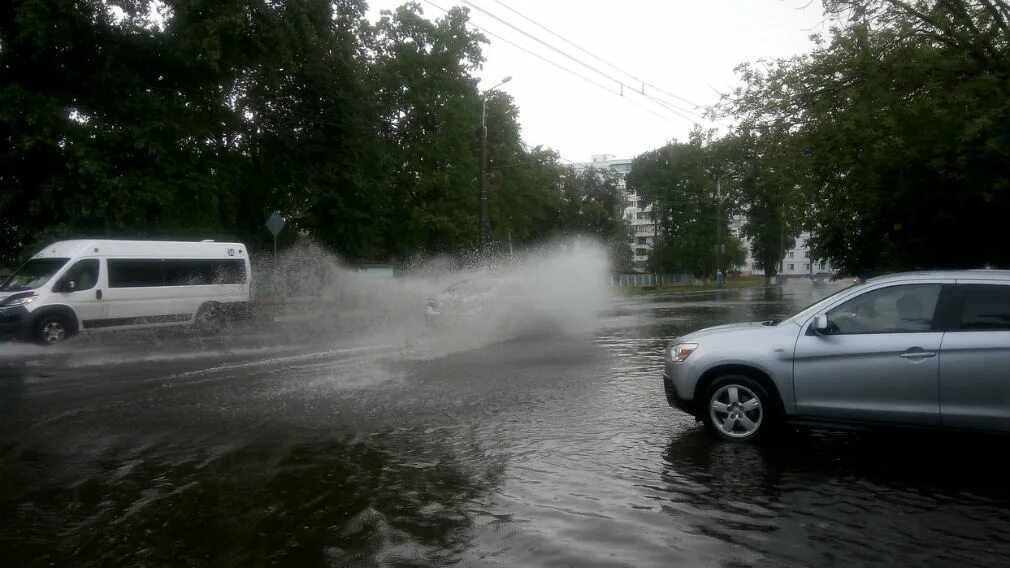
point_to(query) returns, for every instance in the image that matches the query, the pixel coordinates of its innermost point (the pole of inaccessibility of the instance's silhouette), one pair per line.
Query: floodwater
(552, 449)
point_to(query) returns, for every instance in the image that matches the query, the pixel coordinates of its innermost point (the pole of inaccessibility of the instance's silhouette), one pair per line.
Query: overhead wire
(566, 69)
(623, 84)
(559, 156)
(537, 55)
(593, 55)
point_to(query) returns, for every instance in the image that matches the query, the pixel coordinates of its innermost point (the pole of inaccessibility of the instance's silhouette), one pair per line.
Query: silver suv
(924, 349)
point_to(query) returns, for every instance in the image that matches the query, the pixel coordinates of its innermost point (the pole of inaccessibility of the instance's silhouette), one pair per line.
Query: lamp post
(485, 223)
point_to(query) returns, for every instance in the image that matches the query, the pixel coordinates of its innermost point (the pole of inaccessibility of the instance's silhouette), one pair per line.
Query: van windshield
(33, 274)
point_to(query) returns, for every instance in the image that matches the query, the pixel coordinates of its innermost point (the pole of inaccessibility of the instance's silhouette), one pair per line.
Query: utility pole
(485, 221)
(718, 226)
(485, 229)
(782, 243)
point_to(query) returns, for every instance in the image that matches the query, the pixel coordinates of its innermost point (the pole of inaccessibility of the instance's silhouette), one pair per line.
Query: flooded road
(550, 450)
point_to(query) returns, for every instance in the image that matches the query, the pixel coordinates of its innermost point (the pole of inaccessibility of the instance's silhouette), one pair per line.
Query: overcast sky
(687, 48)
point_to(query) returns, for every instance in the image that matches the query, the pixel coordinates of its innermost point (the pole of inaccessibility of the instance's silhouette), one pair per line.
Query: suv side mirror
(820, 324)
(67, 286)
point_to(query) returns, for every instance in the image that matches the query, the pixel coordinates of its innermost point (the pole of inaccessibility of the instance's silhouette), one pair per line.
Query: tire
(52, 329)
(739, 409)
(209, 320)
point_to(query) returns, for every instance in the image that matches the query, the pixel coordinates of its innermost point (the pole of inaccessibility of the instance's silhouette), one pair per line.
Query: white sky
(685, 47)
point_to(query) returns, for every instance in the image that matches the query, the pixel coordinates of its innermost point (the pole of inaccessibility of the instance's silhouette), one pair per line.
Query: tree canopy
(900, 121)
(198, 118)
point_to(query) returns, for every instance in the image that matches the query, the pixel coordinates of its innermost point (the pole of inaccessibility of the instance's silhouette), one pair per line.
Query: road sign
(275, 223)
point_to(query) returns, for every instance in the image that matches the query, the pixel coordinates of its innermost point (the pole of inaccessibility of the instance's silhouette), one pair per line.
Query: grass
(732, 283)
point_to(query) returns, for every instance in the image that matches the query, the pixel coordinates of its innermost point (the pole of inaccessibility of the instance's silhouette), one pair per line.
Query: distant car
(469, 298)
(928, 349)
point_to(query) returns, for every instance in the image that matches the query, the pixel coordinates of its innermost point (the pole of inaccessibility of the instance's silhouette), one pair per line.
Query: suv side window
(984, 308)
(84, 274)
(895, 309)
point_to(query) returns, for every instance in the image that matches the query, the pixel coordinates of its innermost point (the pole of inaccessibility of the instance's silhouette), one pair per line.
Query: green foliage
(679, 181)
(200, 122)
(735, 255)
(767, 173)
(902, 120)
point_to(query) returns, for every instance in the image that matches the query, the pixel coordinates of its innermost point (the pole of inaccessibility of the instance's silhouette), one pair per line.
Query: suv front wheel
(738, 409)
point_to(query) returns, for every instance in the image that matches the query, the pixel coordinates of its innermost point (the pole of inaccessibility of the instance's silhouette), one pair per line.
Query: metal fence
(657, 280)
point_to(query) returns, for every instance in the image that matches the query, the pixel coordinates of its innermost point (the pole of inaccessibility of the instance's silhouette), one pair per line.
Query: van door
(137, 293)
(81, 288)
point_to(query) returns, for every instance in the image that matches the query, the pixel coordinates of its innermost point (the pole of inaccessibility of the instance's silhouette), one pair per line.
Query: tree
(768, 171)
(904, 123)
(428, 99)
(591, 206)
(106, 125)
(679, 181)
(525, 199)
(736, 254)
(198, 118)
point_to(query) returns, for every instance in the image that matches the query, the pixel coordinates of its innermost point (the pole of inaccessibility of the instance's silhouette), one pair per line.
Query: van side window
(986, 307)
(84, 274)
(135, 273)
(199, 272)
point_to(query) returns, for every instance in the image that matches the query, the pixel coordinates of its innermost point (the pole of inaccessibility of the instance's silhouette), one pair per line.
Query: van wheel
(52, 329)
(209, 319)
(738, 409)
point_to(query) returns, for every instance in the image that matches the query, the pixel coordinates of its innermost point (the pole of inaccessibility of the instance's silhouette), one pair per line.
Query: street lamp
(485, 223)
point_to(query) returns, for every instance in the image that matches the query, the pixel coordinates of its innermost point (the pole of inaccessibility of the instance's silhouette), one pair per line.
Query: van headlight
(681, 351)
(20, 301)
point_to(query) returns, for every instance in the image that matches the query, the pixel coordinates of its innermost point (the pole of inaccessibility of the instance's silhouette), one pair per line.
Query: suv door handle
(98, 294)
(917, 353)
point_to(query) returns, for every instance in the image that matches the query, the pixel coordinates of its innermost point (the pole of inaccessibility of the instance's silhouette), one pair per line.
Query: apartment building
(635, 211)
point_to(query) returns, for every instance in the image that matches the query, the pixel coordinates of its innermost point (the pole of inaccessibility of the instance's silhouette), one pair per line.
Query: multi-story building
(635, 211)
(797, 261)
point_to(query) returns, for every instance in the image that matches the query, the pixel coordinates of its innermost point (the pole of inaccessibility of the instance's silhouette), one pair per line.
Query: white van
(84, 285)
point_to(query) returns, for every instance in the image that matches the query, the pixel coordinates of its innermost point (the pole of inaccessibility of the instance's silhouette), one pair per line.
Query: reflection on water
(377, 501)
(550, 451)
(823, 499)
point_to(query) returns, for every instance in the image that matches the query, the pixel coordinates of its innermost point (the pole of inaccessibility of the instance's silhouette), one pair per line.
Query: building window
(641, 252)
(642, 241)
(790, 267)
(806, 254)
(806, 268)
(791, 254)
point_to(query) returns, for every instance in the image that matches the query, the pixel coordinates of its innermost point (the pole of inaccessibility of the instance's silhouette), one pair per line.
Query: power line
(566, 69)
(678, 112)
(593, 55)
(559, 156)
(537, 55)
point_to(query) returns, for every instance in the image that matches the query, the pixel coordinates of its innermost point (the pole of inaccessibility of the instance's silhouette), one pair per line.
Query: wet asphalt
(554, 448)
